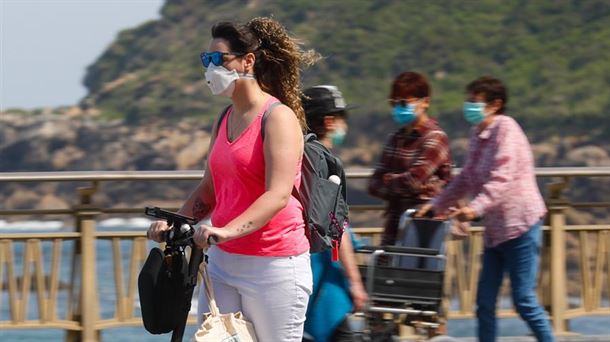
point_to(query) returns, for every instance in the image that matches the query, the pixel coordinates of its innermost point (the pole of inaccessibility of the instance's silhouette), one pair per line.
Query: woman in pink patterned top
(499, 176)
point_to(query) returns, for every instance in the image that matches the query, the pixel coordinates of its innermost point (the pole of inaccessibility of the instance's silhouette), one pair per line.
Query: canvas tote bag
(217, 327)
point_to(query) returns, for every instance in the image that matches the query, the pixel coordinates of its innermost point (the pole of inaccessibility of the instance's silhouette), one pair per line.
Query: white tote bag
(217, 327)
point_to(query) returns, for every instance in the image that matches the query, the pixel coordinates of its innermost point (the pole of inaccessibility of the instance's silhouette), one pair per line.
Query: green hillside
(554, 56)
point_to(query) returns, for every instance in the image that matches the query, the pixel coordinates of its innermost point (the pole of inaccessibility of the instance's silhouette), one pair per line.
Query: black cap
(323, 100)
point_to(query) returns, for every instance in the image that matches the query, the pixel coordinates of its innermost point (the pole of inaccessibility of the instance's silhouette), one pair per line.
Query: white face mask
(222, 81)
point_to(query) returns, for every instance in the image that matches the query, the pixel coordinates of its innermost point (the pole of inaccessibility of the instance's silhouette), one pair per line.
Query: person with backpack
(415, 164)
(500, 178)
(259, 260)
(337, 286)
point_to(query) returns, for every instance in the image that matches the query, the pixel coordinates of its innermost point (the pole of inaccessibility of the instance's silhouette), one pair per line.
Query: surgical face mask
(222, 81)
(474, 112)
(338, 136)
(404, 114)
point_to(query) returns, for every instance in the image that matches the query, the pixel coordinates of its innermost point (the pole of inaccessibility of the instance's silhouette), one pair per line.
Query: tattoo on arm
(245, 227)
(200, 209)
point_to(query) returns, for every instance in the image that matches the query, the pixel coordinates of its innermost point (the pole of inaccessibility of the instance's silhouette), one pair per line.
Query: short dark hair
(410, 84)
(491, 88)
(322, 101)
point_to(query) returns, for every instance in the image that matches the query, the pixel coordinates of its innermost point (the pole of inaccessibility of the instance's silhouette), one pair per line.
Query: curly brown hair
(279, 57)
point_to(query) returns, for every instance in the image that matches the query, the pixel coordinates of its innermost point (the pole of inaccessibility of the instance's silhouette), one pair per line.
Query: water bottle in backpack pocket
(323, 195)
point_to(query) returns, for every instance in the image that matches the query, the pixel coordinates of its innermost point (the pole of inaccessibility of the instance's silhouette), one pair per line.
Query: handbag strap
(209, 291)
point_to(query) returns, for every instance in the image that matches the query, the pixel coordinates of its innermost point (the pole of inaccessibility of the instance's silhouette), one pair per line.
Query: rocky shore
(69, 139)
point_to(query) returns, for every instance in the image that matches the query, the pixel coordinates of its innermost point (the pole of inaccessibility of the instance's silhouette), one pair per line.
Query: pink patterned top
(499, 174)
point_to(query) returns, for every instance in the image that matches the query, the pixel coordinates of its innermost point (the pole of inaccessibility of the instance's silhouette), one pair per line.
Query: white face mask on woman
(222, 81)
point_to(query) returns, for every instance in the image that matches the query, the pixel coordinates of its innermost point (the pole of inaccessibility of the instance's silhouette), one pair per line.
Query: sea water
(107, 293)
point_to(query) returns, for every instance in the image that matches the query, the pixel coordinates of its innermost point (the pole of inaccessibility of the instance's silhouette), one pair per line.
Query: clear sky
(47, 44)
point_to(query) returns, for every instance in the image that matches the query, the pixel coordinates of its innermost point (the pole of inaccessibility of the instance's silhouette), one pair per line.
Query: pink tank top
(238, 173)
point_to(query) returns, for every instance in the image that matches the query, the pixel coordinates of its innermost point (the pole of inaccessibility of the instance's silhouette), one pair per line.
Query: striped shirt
(419, 164)
(499, 175)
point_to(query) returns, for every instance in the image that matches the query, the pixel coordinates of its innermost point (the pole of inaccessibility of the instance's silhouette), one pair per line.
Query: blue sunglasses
(216, 57)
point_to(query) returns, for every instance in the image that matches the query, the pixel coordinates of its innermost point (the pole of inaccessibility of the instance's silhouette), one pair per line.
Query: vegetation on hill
(554, 56)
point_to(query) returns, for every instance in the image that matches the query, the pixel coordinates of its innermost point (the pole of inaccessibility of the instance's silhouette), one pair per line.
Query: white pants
(271, 292)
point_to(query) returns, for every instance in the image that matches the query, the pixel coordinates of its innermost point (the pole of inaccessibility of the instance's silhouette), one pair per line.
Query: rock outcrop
(55, 142)
(69, 140)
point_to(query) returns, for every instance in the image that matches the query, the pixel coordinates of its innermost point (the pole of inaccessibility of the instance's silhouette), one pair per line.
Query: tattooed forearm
(245, 227)
(200, 209)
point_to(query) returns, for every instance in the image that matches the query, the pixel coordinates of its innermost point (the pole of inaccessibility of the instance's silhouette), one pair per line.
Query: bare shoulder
(281, 118)
(281, 113)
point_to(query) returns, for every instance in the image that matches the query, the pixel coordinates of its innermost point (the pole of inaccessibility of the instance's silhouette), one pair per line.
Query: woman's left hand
(463, 214)
(206, 234)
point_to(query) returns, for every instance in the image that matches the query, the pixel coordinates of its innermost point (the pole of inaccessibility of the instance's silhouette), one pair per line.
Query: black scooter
(166, 281)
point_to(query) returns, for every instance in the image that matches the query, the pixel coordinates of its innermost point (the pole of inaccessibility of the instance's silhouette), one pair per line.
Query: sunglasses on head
(216, 57)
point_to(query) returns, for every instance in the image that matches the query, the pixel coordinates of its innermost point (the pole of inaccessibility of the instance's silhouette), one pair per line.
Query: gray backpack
(324, 199)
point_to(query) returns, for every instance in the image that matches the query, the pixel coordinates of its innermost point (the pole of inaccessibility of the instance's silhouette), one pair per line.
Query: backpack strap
(295, 191)
(264, 120)
(307, 138)
(221, 117)
(266, 114)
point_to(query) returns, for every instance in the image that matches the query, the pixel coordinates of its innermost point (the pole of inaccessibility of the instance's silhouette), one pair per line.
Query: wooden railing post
(557, 206)
(86, 305)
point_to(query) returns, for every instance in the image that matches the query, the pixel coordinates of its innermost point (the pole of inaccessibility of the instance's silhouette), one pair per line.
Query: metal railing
(40, 257)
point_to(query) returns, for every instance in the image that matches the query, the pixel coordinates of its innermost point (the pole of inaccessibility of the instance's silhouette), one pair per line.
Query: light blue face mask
(338, 136)
(404, 115)
(474, 112)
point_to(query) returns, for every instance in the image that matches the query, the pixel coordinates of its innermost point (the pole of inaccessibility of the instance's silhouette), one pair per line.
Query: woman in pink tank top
(259, 263)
